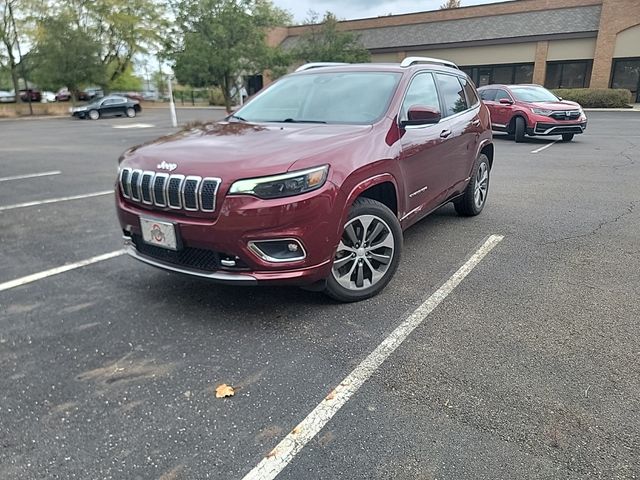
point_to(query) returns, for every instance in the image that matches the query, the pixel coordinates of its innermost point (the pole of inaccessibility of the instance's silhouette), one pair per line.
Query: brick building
(558, 43)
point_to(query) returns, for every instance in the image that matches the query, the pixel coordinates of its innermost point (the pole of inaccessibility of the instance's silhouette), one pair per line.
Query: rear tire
(567, 137)
(474, 197)
(368, 254)
(131, 112)
(520, 128)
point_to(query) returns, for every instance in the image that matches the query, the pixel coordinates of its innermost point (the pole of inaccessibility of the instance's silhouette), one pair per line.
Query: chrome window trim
(181, 178)
(152, 174)
(122, 190)
(215, 192)
(255, 249)
(153, 190)
(136, 199)
(195, 192)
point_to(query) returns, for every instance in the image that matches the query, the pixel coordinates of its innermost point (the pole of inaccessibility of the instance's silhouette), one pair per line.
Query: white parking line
(55, 271)
(545, 147)
(135, 125)
(54, 200)
(31, 175)
(271, 465)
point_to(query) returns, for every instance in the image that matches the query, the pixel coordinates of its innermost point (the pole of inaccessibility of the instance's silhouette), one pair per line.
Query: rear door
(461, 122)
(424, 157)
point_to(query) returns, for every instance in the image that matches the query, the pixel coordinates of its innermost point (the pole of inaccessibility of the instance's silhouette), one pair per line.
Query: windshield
(343, 97)
(533, 94)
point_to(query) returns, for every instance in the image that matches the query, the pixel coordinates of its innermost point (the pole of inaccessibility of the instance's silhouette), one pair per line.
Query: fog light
(278, 251)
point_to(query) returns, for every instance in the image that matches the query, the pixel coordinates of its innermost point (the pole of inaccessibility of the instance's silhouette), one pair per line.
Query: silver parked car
(7, 97)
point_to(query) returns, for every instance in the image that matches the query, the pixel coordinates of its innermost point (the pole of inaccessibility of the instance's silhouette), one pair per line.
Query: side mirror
(506, 101)
(422, 115)
(560, 98)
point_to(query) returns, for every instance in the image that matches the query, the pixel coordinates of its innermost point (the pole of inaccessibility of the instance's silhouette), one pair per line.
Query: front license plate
(161, 234)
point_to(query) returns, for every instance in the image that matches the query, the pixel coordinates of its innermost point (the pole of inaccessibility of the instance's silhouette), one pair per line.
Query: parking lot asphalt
(528, 369)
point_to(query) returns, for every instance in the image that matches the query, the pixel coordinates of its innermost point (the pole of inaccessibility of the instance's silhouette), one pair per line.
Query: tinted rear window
(452, 94)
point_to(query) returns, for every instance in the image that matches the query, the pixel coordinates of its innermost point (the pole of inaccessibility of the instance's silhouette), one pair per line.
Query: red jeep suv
(312, 182)
(532, 110)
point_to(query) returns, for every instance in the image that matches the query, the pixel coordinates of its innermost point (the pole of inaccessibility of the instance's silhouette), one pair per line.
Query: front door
(501, 113)
(424, 157)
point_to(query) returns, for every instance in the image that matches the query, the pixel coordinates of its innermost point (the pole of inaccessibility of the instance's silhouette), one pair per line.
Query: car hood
(559, 105)
(242, 150)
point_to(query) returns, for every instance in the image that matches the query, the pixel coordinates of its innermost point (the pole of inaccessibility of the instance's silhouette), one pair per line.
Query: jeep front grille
(163, 190)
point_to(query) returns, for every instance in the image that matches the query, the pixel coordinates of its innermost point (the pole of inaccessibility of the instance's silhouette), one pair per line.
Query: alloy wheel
(481, 185)
(364, 254)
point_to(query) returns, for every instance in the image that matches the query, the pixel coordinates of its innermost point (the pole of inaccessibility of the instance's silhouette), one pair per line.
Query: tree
(324, 42)
(122, 28)
(65, 55)
(9, 41)
(223, 40)
(451, 4)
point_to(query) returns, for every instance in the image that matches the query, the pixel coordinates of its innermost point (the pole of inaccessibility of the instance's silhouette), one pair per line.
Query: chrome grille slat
(208, 193)
(174, 191)
(125, 186)
(158, 190)
(134, 184)
(190, 193)
(146, 181)
(177, 192)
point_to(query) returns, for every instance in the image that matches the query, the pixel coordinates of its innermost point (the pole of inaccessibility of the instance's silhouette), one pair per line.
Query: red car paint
(359, 157)
(505, 106)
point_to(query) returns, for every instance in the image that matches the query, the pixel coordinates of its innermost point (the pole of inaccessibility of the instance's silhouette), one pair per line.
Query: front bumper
(558, 128)
(205, 242)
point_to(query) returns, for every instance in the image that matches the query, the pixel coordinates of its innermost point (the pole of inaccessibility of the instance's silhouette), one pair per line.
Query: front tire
(567, 137)
(94, 114)
(520, 128)
(475, 195)
(368, 254)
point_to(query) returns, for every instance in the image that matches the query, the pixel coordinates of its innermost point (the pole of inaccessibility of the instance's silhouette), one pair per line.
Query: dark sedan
(108, 107)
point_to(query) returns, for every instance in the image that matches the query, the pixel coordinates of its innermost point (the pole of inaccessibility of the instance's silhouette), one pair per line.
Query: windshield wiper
(237, 117)
(293, 120)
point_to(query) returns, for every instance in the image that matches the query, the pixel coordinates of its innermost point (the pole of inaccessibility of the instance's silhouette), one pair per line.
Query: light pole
(172, 105)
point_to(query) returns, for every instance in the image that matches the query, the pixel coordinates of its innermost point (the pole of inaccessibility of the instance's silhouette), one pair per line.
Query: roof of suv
(379, 67)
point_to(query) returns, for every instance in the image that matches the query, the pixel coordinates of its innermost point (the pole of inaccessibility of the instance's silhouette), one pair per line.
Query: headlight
(542, 111)
(285, 185)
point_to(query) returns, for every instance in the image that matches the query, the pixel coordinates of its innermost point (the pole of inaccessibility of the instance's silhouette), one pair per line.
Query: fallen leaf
(224, 390)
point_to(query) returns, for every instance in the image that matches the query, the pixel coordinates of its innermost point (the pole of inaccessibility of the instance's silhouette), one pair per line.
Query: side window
(500, 94)
(488, 95)
(452, 94)
(470, 92)
(422, 91)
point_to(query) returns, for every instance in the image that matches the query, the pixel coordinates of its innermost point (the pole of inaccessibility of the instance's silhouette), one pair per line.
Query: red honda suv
(523, 110)
(312, 182)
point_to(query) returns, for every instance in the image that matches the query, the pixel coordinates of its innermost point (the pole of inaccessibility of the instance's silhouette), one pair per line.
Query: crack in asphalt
(626, 153)
(629, 210)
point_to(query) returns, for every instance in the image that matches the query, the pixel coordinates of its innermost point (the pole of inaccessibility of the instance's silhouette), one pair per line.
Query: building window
(568, 74)
(507, 74)
(626, 74)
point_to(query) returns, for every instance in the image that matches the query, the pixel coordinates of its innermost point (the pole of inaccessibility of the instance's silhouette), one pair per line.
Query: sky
(350, 9)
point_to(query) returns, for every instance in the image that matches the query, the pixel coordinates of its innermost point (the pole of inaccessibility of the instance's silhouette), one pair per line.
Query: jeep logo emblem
(167, 166)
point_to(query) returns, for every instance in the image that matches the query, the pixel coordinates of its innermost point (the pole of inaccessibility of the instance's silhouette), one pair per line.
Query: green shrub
(596, 97)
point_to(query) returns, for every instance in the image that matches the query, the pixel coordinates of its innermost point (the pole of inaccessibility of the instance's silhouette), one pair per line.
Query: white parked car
(7, 97)
(48, 97)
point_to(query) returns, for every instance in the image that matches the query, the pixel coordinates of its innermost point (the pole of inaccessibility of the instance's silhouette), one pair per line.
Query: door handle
(476, 123)
(445, 133)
